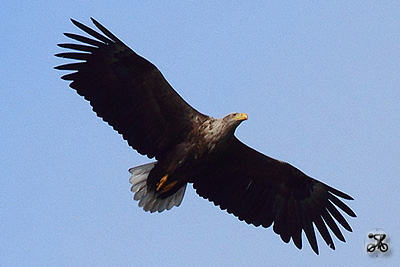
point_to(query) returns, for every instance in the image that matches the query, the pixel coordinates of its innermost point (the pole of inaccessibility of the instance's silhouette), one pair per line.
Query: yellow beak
(241, 117)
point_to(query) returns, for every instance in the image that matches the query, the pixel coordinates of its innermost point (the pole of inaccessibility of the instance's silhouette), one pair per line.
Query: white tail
(148, 199)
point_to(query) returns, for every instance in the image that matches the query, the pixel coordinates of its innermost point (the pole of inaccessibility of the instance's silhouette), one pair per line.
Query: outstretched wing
(261, 190)
(127, 91)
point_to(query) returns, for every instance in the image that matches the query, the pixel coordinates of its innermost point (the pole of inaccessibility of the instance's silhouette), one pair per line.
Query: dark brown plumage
(131, 94)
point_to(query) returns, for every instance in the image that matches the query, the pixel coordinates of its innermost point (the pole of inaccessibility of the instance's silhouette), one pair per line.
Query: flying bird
(131, 95)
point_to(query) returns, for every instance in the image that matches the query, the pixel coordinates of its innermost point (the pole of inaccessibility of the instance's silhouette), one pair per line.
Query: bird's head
(234, 119)
(223, 129)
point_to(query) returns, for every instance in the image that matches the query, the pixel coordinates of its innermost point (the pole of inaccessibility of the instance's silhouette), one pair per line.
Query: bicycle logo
(383, 247)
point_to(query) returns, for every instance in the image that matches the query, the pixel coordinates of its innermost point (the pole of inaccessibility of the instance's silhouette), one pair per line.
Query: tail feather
(148, 199)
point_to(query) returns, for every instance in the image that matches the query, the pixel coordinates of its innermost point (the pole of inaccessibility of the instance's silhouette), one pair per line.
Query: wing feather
(127, 91)
(78, 47)
(261, 190)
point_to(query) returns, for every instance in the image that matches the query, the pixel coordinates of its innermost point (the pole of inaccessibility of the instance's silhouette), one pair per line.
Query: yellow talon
(169, 186)
(161, 182)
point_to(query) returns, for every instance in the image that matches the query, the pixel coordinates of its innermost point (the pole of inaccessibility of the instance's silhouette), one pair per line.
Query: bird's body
(206, 144)
(131, 94)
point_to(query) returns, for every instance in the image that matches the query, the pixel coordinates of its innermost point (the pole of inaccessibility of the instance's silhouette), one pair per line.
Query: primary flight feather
(132, 96)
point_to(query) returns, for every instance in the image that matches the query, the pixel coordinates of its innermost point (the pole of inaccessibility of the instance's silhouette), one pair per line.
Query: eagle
(131, 95)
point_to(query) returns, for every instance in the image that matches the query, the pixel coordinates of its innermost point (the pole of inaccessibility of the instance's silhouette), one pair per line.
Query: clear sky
(320, 81)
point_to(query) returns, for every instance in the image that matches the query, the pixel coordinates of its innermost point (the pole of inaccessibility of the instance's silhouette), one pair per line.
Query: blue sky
(320, 83)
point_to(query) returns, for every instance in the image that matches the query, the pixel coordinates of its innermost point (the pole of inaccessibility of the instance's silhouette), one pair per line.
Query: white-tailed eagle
(131, 95)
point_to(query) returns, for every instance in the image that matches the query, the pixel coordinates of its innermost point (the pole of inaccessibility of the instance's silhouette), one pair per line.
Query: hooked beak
(241, 117)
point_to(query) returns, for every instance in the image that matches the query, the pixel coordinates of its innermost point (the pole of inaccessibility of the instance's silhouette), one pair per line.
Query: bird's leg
(168, 186)
(161, 182)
